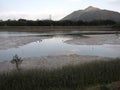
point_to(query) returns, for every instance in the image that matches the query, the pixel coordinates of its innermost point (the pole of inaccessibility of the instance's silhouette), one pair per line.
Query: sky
(42, 9)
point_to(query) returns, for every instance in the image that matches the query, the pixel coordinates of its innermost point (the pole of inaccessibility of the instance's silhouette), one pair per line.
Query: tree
(17, 61)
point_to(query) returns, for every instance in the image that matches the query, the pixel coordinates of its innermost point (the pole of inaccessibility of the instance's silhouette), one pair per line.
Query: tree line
(24, 22)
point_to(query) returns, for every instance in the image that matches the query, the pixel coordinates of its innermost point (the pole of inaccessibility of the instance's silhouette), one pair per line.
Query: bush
(17, 61)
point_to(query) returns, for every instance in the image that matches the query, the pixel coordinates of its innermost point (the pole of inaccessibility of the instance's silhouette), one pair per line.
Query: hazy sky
(41, 9)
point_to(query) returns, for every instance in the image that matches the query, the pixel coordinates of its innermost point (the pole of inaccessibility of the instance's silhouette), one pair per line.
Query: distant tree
(117, 26)
(24, 22)
(79, 23)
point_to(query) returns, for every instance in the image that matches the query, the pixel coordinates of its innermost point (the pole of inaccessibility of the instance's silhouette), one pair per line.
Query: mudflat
(15, 41)
(95, 39)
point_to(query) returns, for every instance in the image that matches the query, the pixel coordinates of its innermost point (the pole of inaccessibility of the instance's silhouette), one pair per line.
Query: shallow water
(56, 46)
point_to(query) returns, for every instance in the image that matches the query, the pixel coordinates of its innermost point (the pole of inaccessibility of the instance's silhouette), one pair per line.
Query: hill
(93, 13)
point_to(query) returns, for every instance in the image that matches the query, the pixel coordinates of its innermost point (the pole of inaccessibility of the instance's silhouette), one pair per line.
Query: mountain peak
(93, 13)
(91, 8)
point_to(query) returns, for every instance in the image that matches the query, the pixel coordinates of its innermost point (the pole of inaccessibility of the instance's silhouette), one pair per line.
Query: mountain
(93, 13)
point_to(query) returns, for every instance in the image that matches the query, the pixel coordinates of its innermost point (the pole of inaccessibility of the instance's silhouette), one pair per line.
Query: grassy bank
(116, 26)
(62, 29)
(54, 28)
(71, 77)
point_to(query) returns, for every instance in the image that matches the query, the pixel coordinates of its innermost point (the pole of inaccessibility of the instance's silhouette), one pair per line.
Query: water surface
(56, 46)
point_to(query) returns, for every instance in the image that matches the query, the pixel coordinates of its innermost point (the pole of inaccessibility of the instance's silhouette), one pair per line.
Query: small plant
(17, 61)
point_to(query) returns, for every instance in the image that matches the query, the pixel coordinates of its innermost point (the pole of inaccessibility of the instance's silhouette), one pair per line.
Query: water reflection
(56, 46)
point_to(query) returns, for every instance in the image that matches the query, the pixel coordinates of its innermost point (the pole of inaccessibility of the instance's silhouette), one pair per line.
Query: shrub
(17, 61)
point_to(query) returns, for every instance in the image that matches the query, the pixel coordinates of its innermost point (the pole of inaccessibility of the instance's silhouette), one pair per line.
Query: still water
(56, 46)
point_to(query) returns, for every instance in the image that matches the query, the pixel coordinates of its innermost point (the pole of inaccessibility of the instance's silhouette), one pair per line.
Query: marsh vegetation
(70, 77)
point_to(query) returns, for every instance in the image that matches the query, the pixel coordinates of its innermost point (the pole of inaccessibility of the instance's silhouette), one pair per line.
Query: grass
(117, 26)
(54, 28)
(62, 29)
(71, 77)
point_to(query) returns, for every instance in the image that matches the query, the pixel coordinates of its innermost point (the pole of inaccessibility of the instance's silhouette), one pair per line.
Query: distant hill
(93, 13)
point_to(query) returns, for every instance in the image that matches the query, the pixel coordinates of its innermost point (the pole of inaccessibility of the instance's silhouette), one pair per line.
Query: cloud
(113, 3)
(75, 0)
(111, 0)
(18, 15)
(32, 15)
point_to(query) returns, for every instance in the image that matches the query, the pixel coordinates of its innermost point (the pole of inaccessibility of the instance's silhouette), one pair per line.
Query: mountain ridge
(93, 13)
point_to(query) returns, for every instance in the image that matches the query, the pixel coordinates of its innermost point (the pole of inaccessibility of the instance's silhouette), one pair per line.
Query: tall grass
(71, 77)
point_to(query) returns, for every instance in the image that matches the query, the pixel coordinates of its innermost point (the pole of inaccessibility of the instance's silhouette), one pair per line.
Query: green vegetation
(117, 26)
(24, 22)
(71, 77)
(63, 29)
(17, 61)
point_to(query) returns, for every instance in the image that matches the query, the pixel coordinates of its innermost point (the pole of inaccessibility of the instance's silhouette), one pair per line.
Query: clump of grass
(71, 77)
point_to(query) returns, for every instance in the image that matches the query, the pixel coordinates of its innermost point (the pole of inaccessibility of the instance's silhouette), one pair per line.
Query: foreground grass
(71, 77)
